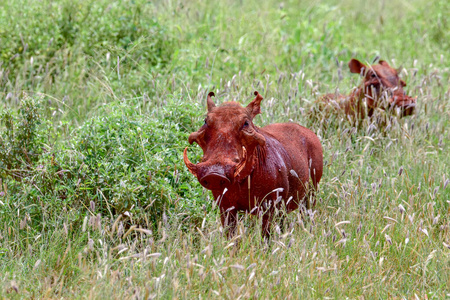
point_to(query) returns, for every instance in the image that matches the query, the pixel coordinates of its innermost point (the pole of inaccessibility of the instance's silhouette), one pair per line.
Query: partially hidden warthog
(254, 169)
(381, 88)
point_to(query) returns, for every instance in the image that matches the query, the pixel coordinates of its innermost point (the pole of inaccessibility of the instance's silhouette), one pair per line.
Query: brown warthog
(380, 88)
(254, 169)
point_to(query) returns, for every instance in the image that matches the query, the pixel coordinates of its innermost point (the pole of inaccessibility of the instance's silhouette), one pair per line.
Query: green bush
(82, 29)
(134, 160)
(121, 161)
(22, 138)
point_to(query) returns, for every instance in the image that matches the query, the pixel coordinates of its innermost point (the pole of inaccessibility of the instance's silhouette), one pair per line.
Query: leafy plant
(133, 161)
(121, 160)
(21, 140)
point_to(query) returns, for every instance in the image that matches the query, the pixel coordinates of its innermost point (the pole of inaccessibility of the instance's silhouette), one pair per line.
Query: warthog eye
(373, 75)
(205, 122)
(245, 124)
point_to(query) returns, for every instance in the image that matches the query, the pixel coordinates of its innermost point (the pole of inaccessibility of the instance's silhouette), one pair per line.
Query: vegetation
(98, 100)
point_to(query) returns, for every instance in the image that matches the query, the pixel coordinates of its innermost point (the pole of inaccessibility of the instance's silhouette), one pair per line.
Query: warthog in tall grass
(380, 88)
(252, 169)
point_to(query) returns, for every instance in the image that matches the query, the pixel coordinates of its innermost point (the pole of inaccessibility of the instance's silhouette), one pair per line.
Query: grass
(103, 206)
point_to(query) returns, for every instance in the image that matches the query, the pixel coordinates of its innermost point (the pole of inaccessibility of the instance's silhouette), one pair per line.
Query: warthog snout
(406, 104)
(214, 177)
(214, 181)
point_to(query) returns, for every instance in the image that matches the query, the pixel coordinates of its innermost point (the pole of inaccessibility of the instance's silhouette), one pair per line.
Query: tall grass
(104, 210)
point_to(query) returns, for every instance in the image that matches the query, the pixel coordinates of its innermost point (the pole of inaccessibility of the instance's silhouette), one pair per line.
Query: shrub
(119, 161)
(22, 137)
(77, 30)
(134, 161)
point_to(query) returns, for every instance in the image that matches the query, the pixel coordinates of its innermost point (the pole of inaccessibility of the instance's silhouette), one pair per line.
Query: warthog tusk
(191, 167)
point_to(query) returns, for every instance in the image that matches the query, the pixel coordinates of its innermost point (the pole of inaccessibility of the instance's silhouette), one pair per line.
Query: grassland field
(98, 99)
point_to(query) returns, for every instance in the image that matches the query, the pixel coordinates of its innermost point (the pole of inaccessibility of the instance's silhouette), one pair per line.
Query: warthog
(380, 88)
(254, 169)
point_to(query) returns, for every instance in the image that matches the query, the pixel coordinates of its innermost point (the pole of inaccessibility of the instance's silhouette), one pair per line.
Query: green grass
(98, 101)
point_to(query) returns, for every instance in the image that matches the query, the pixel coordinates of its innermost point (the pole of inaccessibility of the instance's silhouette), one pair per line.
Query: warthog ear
(357, 67)
(254, 107)
(209, 101)
(402, 83)
(384, 63)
